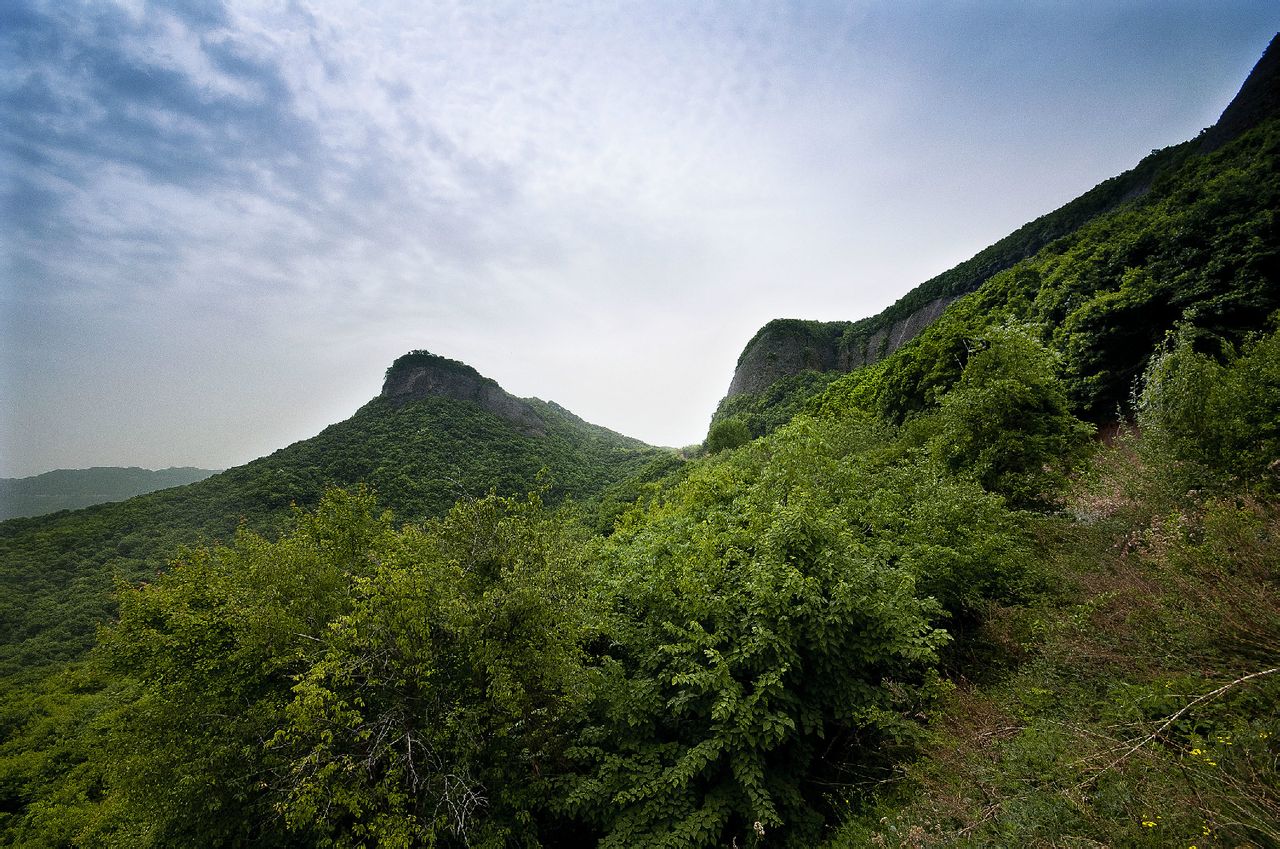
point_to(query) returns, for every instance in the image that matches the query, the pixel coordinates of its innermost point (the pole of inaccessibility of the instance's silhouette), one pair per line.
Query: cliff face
(786, 347)
(859, 350)
(420, 374)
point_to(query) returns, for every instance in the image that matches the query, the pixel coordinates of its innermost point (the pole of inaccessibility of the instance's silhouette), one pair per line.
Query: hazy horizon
(223, 223)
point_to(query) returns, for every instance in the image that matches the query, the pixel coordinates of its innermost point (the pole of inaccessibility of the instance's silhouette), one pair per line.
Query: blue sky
(221, 222)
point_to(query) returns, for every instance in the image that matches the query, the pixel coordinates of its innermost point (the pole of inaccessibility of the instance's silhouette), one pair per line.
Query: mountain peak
(1257, 100)
(421, 374)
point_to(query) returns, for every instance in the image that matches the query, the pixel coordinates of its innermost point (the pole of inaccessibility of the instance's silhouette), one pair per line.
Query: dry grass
(1137, 708)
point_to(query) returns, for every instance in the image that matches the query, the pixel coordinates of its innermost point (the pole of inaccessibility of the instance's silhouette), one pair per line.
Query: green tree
(1007, 422)
(206, 657)
(727, 434)
(440, 707)
(1208, 418)
(775, 625)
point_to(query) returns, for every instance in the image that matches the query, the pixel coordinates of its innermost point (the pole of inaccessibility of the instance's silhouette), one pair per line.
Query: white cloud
(255, 212)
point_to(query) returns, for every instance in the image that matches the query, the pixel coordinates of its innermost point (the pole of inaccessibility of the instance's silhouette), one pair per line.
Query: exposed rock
(420, 374)
(857, 351)
(786, 347)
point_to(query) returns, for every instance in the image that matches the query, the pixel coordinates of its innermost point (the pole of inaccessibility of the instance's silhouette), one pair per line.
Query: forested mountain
(1162, 224)
(71, 489)
(913, 603)
(419, 450)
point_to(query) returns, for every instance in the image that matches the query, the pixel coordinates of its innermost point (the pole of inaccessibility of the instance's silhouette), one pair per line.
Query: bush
(727, 434)
(1007, 422)
(1209, 418)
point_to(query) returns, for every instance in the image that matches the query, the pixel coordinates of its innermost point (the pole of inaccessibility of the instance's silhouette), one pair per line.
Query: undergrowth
(1134, 707)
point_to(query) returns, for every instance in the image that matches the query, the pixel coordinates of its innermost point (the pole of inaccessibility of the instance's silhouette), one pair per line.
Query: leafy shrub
(727, 434)
(1210, 419)
(1007, 421)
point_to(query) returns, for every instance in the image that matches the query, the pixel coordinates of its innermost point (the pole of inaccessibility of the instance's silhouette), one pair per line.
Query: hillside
(929, 607)
(71, 489)
(788, 358)
(419, 453)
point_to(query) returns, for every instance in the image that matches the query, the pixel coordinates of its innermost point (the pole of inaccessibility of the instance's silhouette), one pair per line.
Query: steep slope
(786, 348)
(868, 620)
(71, 489)
(438, 432)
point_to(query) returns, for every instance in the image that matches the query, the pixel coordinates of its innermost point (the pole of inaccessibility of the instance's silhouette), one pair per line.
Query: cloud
(238, 203)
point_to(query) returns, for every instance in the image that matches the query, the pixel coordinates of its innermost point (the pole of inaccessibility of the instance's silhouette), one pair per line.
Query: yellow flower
(1197, 751)
(1148, 824)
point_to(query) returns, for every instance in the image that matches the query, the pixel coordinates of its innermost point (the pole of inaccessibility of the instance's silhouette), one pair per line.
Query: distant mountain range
(71, 489)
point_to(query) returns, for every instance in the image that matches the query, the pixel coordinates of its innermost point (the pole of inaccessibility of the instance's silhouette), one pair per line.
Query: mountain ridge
(72, 489)
(785, 348)
(449, 433)
(420, 374)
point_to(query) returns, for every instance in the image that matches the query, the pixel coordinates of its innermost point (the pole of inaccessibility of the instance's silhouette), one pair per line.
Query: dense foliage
(764, 412)
(419, 457)
(769, 621)
(1134, 706)
(915, 605)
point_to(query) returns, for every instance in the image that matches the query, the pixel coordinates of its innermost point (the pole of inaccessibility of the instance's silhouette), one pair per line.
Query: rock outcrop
(420, 374)
(857, 350)
(786, 347)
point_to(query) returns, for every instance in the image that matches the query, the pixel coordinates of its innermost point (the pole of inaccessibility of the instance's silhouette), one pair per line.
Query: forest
(1017, 579)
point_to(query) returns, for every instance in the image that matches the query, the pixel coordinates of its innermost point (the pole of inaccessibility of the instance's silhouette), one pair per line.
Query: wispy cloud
(223, 220)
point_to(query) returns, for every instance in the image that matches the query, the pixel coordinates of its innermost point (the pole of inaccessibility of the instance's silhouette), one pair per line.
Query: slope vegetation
(420, 455)
(777, 365)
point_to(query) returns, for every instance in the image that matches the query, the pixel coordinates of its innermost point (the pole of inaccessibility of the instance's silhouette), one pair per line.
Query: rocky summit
(421, 374)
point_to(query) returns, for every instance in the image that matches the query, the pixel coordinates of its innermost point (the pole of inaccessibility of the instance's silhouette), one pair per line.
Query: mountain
(789, 359)
(927, 608)
(438, 431)
(71, 489)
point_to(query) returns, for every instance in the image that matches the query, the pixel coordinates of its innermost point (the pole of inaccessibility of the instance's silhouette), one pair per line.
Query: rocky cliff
(787, 347)
(784, 347)
(420, 374)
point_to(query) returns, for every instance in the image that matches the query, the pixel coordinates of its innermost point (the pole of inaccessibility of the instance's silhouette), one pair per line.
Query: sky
(220, 221)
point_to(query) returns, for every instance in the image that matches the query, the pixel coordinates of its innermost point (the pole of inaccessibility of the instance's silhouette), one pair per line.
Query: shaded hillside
(929, 609)
(71, 489)
(419, 454)
(1200, 251)
(784, 348)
